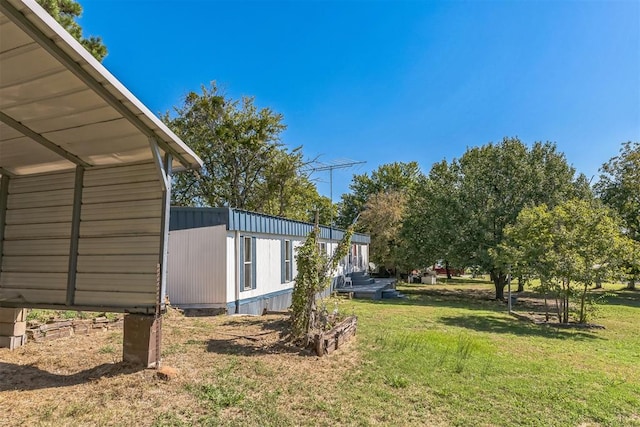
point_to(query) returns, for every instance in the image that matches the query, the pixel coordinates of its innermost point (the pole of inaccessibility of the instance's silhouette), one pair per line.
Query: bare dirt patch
(222, 364)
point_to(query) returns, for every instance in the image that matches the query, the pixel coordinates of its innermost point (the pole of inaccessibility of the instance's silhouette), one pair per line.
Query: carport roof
(59, 107)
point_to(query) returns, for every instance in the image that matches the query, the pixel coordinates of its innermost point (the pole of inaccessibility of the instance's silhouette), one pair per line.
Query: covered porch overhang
(84, 176)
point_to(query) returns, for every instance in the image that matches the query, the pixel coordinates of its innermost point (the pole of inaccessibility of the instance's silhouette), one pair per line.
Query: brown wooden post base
(13, 324)
(142, 338)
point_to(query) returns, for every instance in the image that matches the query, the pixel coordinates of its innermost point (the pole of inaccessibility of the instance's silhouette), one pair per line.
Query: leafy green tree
(245, 165)
(467, 203)
(396, 176)
(430, 227)
(66, 12)
(619, 188)
(568, 248)
(382, 216)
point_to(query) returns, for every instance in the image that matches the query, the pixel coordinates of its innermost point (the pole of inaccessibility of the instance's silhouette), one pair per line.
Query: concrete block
(13, 329)
(13, 342)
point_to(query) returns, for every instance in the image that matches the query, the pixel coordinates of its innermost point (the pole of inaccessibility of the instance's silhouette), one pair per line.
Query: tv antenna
(331, 167)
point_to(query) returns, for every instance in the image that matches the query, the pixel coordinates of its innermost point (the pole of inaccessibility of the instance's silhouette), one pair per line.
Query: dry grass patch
(231, 370)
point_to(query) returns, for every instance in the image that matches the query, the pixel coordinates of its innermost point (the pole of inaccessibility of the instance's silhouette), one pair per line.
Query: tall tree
(66, 12)
(245, 165)
(382, 217)
(485, 191)
(397, 176)
(619, 188)
(431, 224)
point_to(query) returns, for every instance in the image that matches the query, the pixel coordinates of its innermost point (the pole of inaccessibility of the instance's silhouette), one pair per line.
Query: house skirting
(274, 301)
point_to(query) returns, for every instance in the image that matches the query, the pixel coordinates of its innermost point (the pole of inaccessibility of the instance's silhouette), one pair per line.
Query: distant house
(243, 262)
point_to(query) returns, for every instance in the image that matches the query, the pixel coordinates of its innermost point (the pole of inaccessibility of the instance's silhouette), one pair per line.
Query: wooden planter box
(328, 342)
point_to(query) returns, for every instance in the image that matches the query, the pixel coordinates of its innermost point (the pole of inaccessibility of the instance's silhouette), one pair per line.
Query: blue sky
(385, 81)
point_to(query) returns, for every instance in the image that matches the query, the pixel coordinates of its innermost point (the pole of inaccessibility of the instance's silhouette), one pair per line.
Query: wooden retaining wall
(328, 342)
(61, 329)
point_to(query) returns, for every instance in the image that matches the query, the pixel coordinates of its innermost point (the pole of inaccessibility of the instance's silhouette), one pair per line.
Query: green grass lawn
(447, 355)
(467, 362)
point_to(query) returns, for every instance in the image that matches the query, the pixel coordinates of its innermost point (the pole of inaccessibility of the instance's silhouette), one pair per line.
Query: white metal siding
(120, 235)
(36, 248)
(268, 265)
(231, 267)
(196, 274)
(365, 257)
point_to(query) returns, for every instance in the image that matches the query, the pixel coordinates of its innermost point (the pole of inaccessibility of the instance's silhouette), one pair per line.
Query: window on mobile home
(288, 270)
(248, 279)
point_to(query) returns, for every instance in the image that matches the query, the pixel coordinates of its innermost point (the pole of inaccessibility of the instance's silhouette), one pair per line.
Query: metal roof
(252, 222)
(59, 107)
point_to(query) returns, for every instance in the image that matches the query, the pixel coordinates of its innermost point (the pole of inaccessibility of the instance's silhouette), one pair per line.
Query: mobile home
(244, 262)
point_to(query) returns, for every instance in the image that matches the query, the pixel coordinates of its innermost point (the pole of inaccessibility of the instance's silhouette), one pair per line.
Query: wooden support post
(142, 337)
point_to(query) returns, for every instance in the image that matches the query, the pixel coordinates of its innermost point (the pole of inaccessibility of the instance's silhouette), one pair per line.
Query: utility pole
(331, 168)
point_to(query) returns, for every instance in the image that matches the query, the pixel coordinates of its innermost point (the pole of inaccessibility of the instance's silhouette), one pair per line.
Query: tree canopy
(577, 242)
(619, 188)
(382, 218)
(430, 227)
(66, 13)
(397, 176)
(470, 201)
(245, 164)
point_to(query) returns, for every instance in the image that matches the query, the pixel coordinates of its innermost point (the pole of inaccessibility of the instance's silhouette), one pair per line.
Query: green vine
(314, 276)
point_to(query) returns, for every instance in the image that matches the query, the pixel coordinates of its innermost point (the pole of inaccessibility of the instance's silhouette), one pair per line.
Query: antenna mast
(330, 168)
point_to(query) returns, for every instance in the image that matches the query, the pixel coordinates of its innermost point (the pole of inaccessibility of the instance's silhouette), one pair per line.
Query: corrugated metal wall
(231, 266)
(196, 274)
(251, 222)
(120, 232)
(36, 247)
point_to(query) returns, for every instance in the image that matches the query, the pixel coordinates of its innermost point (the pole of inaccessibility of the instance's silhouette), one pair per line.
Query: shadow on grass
(482, 300)
(506, 325)
(272, 337)
(29, 377)
(472, 299)
(463, 281)
(469, 299)
(624, 297)
(244, 347)
(265, 323)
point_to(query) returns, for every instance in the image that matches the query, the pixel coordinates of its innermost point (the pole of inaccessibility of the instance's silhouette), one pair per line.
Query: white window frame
(288, 262)
(248, 250)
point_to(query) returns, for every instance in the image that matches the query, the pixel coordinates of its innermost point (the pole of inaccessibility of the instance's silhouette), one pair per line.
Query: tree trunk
(446, 267)
(583, 317)
(632, 284)
(521, 283)
(499, 279)
(558, 310)
(546, 308)
(565, 314)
